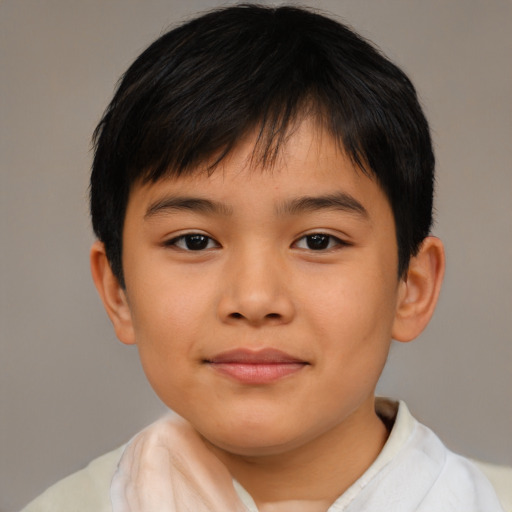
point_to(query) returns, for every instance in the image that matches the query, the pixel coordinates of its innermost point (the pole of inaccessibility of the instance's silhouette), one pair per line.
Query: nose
(255, 290)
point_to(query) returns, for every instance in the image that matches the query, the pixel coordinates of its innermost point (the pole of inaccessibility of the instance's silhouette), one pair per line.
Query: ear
(112, 294)
(419, 290)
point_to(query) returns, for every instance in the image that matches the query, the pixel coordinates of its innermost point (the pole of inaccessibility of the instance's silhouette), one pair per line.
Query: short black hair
(194, 93)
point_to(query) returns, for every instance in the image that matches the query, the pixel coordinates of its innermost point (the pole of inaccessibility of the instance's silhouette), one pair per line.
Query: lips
(256, 367)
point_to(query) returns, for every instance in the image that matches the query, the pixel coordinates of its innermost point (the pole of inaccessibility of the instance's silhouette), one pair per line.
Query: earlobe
(112, 294)
(419, 290)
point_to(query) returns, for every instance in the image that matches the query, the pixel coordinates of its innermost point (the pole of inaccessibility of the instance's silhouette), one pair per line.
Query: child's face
(274, 328)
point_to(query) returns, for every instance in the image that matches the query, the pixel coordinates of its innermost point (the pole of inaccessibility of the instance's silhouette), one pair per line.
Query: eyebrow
(180, 203)
(339, 201)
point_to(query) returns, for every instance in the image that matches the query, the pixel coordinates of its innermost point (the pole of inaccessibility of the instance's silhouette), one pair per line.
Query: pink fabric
(167, 468)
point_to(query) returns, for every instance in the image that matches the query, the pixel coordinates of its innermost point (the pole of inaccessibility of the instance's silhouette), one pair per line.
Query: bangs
(187, 101)
(192, 96)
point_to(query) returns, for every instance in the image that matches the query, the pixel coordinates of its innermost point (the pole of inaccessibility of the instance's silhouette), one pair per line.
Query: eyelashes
(193, 242)
(319, 242)
(198, 242)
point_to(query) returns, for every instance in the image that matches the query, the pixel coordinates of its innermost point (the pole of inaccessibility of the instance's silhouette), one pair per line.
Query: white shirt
(413, 472)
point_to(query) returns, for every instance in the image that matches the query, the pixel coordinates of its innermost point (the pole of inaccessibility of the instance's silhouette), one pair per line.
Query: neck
(312, 476)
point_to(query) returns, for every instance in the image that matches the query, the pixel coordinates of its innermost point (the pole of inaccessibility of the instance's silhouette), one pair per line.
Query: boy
(262, 196)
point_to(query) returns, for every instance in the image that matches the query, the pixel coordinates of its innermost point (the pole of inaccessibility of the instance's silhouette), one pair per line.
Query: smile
(256, 367)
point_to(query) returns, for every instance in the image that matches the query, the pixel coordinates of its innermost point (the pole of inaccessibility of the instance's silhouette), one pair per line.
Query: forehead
(309, 163)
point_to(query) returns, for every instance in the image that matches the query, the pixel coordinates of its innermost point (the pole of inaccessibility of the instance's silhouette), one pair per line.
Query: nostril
(273, 315)
(236, 315)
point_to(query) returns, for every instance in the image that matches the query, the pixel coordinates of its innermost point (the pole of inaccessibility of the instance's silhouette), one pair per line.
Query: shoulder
(501, 479)
(439, 479)
(459, 480)
(87, 490)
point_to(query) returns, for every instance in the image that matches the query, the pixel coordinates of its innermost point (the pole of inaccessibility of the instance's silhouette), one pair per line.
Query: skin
(259, 284)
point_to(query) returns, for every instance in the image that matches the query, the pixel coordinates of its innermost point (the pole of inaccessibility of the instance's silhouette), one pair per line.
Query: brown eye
(196, 242)
(193, 242)
(318, 242)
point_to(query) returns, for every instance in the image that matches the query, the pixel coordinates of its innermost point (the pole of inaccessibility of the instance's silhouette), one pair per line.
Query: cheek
(167, 337)
(352, 302)
(170, 302)
(353, 315)
(168, 317)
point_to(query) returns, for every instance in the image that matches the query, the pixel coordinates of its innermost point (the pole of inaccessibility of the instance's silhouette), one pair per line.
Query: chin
(256, 441)
(256, 449)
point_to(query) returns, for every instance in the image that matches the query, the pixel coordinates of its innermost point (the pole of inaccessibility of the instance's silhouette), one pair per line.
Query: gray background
(69, 391)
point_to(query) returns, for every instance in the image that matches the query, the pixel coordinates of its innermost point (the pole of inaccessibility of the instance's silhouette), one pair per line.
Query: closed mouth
(259, 367)
(262, 356)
